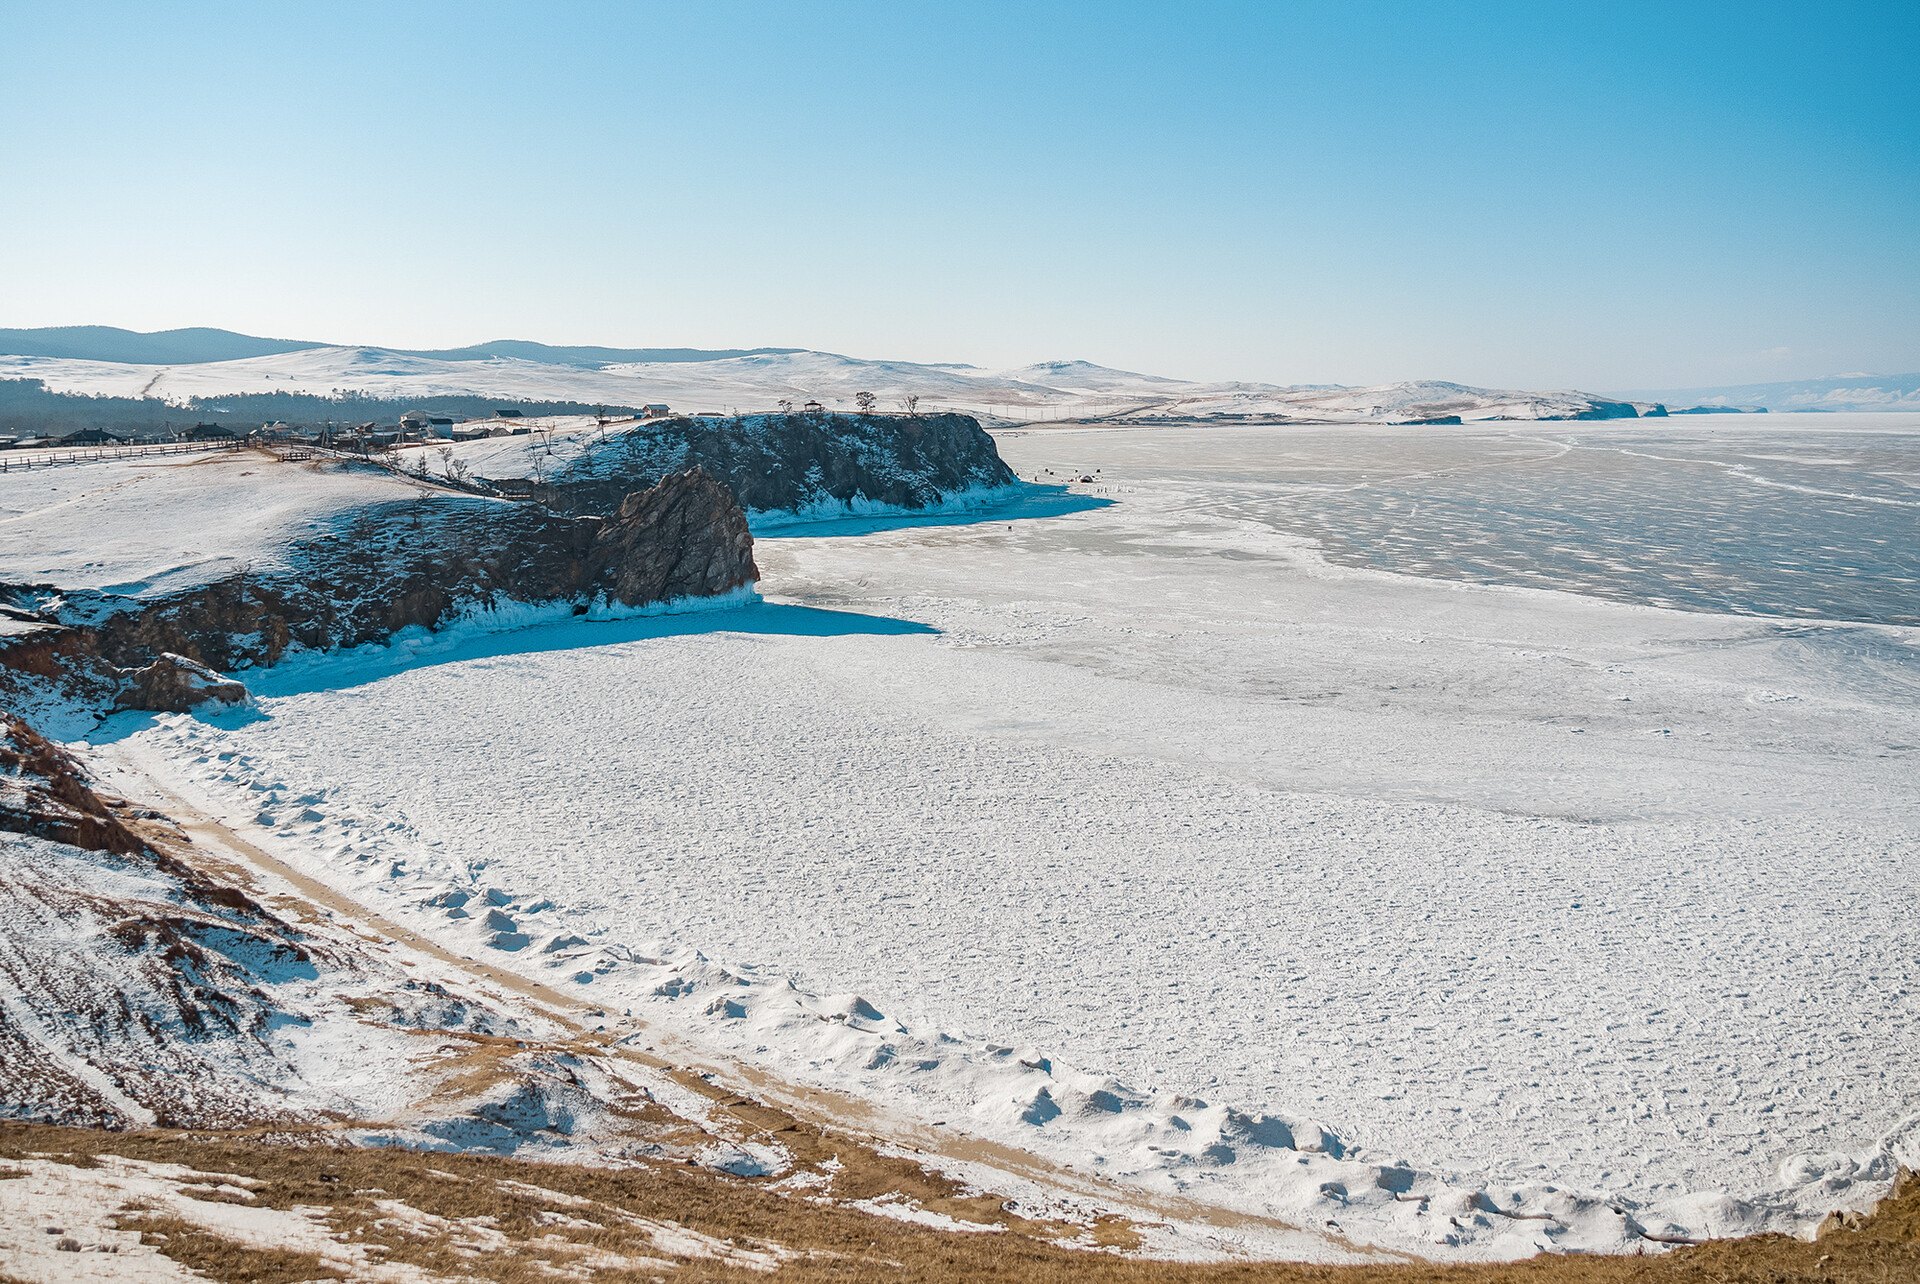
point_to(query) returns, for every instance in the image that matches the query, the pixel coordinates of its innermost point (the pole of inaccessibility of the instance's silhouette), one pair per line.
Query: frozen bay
(1229, 779)
(1806, 516)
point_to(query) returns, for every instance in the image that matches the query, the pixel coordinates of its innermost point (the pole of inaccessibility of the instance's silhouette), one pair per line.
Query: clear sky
(1607, 196)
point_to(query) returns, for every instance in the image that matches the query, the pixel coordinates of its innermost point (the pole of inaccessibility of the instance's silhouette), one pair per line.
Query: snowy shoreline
(1269, 1164)
(973, 802)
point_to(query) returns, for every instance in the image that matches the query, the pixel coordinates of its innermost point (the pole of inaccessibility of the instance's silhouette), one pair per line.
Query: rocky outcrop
(175, 684)
(791, 462)
(44, 794)
(1602, 408)
(419, 563)
(684, 538)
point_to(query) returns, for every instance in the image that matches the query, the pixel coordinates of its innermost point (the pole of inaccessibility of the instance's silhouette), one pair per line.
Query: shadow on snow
(343, 670)
(1026, 502)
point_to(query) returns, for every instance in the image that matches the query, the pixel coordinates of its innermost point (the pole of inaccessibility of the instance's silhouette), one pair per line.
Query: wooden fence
(16, 460)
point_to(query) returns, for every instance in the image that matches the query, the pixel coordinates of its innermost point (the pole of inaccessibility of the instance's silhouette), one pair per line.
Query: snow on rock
(779, 463)
(341, 559)
(175, 684)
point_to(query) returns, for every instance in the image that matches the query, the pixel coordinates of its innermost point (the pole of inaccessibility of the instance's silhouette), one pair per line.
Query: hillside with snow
(760, 381)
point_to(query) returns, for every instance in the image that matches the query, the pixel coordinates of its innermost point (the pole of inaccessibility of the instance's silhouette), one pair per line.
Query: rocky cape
(384, 567)
(786, 463)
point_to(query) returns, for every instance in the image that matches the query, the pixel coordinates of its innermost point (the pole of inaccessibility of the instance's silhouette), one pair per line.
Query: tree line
(28, 408)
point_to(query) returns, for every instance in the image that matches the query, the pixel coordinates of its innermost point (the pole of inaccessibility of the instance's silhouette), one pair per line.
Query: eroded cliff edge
(377, 568)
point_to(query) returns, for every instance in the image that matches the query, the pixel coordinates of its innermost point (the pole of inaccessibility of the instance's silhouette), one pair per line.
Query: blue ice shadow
(344, 670)
(1026, 502)
(339, 670)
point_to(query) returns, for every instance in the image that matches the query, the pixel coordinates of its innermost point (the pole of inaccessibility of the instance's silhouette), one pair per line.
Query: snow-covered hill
(1059, 390)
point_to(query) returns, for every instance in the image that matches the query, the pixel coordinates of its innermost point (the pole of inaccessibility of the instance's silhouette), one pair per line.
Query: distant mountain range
(1839, 393)
(199, 345)
(194, 366)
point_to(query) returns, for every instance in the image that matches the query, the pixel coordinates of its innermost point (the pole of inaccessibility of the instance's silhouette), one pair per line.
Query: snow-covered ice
(1806, 516)
(1458, 916)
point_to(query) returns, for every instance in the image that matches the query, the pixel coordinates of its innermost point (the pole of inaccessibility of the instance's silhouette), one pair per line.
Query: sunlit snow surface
(1516, 888)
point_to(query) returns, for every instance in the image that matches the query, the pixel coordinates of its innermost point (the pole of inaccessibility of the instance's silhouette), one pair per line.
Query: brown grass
(831, 1243)
(222, 1259)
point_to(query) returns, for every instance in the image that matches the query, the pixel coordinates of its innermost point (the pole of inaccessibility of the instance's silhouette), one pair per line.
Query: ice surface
(1807, 515)
(1146, 837)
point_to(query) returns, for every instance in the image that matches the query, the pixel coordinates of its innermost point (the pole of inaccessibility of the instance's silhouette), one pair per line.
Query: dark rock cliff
(394, 566)
(686, 537)
(790, 462)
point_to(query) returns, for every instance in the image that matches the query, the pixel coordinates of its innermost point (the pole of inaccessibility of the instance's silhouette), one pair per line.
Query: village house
(419, 425)
(91, 437)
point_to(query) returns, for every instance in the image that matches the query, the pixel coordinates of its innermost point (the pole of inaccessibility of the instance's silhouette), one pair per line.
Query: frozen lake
(1505, 884)
(1811, 516)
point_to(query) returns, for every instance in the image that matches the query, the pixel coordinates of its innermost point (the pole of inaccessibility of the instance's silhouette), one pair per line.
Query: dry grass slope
(510, 1221)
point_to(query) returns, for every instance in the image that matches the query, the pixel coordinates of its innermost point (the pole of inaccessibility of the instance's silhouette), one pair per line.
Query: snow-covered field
(1457, 916)
(146, 528)
(1050, 390)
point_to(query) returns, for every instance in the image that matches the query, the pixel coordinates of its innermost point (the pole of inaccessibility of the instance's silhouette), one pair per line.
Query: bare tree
(865, 401)
(786, 405)
(911, 403)
(446, 461)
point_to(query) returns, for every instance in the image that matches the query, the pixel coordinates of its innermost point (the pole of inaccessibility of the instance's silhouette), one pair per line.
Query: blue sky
(1606, 196)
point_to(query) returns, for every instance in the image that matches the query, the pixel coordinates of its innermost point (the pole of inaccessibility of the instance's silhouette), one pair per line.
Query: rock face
(175, 684)
(792, 462)
(684, 538)
(417, 563)
(44, 794)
